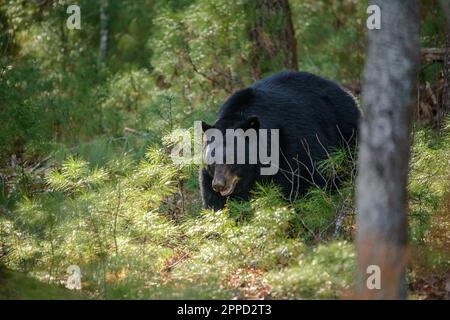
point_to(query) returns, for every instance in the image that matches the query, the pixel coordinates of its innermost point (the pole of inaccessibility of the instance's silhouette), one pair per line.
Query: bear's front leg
(210, 198)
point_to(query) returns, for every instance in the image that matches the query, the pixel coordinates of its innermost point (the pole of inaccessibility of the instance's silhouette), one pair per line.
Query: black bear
(313, 115)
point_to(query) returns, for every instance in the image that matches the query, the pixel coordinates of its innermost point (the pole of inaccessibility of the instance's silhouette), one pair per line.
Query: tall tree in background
(104, 17)
(389, 78)
(272, 34)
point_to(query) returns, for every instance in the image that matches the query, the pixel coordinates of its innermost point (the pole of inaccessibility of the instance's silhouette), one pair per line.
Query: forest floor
(17, 286)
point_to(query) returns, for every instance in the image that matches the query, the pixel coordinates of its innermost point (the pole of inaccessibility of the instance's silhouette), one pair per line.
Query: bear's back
(293, 80)
(290, 95)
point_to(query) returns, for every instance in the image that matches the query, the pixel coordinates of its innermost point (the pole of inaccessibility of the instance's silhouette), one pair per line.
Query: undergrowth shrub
(137, 230)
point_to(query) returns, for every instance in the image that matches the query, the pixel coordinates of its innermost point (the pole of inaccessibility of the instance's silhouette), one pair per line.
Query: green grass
(17, 286)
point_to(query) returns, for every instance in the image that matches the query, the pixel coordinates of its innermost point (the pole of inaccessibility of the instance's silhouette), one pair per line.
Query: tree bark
(389, 78)
(104, 17)
(273, 37)
(445, 4)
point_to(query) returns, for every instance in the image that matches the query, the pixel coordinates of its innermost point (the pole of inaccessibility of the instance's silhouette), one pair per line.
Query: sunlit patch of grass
(320, 273)
(14, 285)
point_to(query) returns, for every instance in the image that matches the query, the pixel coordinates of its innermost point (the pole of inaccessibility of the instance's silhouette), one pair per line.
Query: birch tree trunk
(103, 47)
(272, 34)
(389, 77)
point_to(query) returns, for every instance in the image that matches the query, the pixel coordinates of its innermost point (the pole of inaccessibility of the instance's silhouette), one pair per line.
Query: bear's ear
(251, 123)
(205, 126)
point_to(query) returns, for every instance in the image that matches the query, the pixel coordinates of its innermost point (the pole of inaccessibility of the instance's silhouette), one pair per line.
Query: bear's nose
(218, 184)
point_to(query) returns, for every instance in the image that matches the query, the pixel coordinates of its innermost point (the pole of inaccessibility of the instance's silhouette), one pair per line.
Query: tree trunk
(389, 77)
(445, 4)
(103, 48)
(272, 34)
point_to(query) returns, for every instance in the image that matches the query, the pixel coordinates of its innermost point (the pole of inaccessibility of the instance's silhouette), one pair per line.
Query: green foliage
(323, 273)
(85, 172)
(115, 225)
(331, 39)
(75, 176)
(428, 184)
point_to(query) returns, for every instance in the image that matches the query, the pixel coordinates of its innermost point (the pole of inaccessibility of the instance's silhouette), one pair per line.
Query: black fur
(305, 108)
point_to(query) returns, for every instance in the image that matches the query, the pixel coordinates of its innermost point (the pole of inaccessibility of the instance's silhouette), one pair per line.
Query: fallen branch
(434, 54)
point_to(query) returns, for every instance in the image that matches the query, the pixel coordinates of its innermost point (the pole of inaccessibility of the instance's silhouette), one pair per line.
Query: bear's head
(231, 154)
